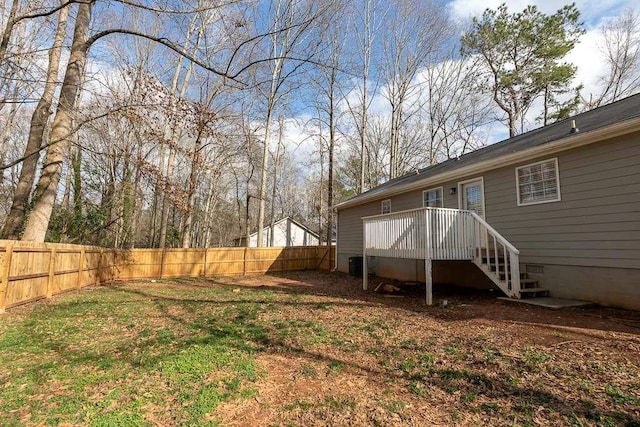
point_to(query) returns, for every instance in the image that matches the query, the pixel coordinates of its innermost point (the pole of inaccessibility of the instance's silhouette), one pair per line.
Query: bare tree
(274, 188)
(39, 119)
(329, 83)
(60, 137)
(413, 36)
(452, 111)
(367, 23)
(290, 51)
(621, 50)
(38, 221)
(172, 129)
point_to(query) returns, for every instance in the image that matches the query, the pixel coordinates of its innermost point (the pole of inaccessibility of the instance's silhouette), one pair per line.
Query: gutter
(572, 141)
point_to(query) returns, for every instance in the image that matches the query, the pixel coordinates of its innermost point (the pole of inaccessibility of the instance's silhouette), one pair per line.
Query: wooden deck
(432, 234)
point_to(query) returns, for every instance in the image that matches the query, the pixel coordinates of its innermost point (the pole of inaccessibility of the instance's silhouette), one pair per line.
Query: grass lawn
(312, 349)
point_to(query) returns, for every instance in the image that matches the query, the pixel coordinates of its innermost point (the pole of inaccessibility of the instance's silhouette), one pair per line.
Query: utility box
(355, 266)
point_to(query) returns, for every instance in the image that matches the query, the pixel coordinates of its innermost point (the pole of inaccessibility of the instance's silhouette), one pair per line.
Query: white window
(538, 182)
(432, 198)
(386, 206)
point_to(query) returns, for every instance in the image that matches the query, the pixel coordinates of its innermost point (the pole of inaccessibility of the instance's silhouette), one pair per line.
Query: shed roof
(587, 122)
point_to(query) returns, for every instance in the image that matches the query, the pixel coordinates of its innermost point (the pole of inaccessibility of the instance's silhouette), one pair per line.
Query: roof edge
(567, 143)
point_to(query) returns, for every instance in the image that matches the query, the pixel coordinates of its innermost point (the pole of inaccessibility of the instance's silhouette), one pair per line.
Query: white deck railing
(425, 233)
(442, 234)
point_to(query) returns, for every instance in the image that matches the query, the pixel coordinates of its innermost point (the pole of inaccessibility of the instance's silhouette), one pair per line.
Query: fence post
(81, 267)
(52, 272)
(4, 279)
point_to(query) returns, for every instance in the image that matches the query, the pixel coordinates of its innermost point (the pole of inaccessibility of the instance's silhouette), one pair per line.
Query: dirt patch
(476, 361)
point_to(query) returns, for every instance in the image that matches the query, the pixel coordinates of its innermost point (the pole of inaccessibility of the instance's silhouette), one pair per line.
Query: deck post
(365, 271)
(365, 275)
(514, 261)
(429, 280)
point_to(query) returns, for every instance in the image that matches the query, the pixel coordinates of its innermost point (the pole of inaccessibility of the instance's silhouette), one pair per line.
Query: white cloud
(592, 11)
(589, 60)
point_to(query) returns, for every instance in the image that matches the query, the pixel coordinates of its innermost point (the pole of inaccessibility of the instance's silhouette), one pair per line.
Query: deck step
(534, 291)
(525, 282)
(503, 277)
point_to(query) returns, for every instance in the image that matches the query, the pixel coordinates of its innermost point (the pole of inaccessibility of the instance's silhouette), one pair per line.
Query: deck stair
(529, 288)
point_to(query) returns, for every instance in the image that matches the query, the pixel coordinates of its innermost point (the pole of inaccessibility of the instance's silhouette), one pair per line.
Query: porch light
(452, 191)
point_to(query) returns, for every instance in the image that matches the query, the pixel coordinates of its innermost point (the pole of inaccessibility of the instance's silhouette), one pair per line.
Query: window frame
(441, 189)
(558, 197)
(382, 206)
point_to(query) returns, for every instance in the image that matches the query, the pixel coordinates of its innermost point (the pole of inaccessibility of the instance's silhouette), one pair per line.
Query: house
(554, 211)
(286, 232)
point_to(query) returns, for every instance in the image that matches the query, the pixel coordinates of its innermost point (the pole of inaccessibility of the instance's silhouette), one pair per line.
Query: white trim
(441, 188)
(539, 202)
(382, 206)
(408, 210)
(469, 181)
(335, 261)
(563, 144)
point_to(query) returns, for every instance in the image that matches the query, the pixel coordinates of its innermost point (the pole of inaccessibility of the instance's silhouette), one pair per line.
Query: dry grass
(313, 349)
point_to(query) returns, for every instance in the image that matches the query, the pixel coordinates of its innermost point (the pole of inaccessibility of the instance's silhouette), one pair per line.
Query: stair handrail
(512, 276)
(493, 232)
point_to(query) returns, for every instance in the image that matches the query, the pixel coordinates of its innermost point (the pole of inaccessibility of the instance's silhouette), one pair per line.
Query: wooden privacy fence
(30, 271)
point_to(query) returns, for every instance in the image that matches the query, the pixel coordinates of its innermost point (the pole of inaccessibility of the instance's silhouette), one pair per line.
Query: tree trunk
(8, 29)
(172, 150)
(15, 220)
(137, 200)
(164, 216)
(276, 161)
(38, 220)
(193, 178)
(77, 192)
(366, 56)
(332, 143)
(207, 214)
(263, 178)
(159, 199)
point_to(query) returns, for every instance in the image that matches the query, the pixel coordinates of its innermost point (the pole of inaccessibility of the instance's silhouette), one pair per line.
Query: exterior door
(473, 197)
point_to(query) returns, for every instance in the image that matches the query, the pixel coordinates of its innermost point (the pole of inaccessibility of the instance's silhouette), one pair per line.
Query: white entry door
(472, 197)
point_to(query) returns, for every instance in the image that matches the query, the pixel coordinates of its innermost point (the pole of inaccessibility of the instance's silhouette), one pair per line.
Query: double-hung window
(538, 182)
(432, 198)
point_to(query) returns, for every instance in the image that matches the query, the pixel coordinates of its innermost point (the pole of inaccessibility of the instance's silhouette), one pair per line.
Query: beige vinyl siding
(597, 223)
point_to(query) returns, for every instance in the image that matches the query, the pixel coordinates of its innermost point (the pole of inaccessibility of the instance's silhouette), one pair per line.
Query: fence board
(30, 271)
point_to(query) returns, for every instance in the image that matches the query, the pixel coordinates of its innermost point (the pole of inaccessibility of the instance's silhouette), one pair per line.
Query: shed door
(473, 197)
